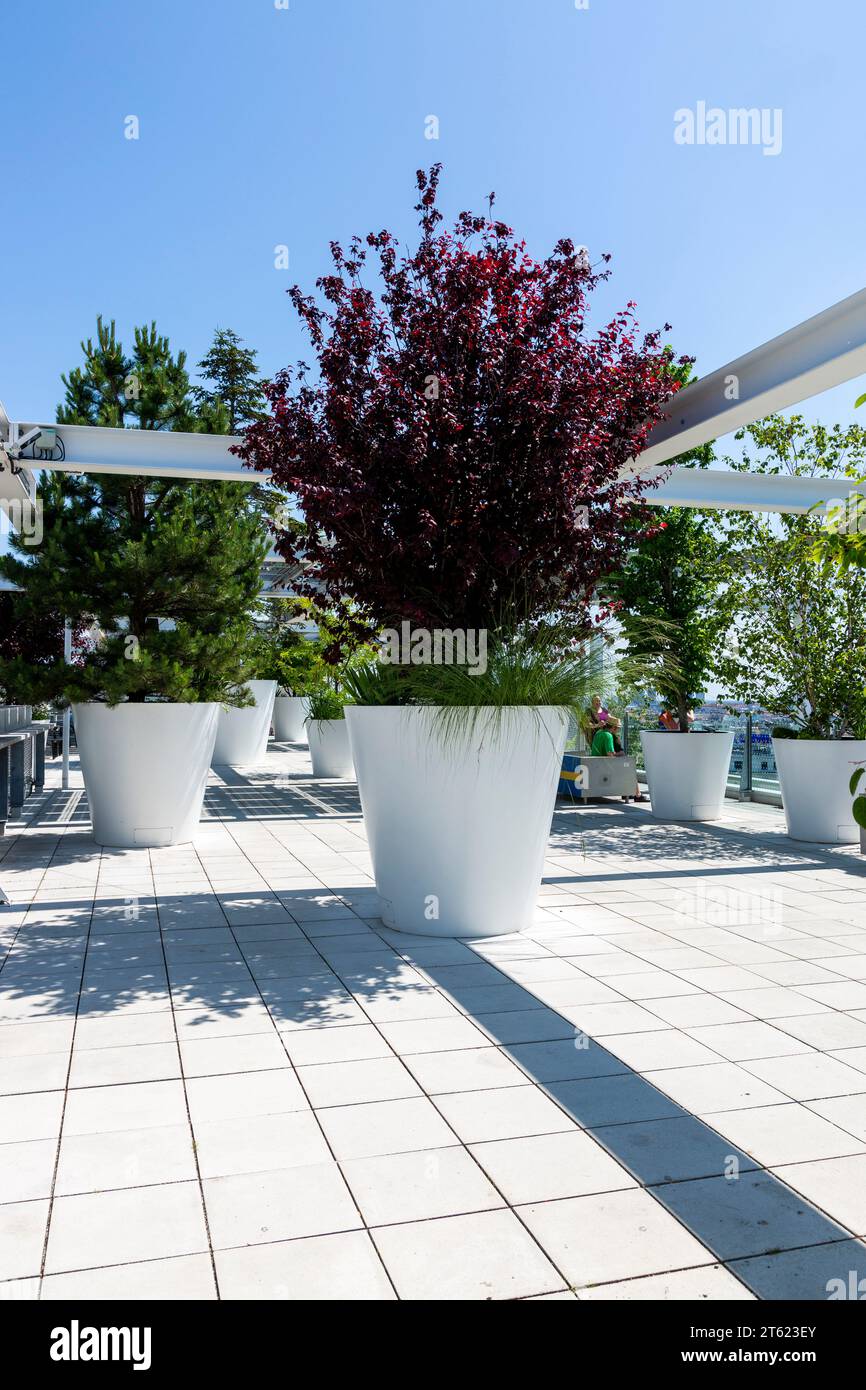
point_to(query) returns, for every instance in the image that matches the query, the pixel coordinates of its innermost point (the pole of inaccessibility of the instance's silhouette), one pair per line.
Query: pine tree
(234, 400)
(169, 572)
(146, 389)
(230, 368)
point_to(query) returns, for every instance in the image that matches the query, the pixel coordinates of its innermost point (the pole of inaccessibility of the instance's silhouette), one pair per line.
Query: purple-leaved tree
(458, 454)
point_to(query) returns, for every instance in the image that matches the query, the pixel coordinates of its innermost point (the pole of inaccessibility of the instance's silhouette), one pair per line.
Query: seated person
(607, 744)
(603, 745)
(668, 722)
(595, 717)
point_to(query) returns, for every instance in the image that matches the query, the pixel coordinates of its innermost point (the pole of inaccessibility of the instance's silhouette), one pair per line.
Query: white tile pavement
(221, 1076)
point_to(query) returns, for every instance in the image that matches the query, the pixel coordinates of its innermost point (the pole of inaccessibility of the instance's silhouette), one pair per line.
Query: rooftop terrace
(220, 1075)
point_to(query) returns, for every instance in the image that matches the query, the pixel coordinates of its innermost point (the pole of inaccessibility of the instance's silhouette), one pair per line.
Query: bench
(584, 777)
(22, 768)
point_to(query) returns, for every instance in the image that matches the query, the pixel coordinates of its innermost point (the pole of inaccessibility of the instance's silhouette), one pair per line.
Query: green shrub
(326, 704)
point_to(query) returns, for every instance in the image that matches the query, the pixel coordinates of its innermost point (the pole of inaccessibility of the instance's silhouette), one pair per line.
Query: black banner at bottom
(237, 1338)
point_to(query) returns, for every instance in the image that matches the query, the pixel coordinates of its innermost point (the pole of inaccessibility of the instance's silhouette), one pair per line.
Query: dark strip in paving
(774, 1240)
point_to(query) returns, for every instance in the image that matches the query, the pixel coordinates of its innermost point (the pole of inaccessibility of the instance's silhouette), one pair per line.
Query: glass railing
(753, 765)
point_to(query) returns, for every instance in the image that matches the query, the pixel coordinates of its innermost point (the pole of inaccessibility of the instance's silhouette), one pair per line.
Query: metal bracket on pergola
(17, 484)
(820, 353)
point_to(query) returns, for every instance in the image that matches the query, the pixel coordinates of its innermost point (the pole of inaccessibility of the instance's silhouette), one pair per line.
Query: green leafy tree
(232, 381)
(304, 665)
(671, 602)
(280, 651)
(859, 795)
(840, 547)
(283, 649)
(167, 573)
(798, 643)
(299, 668)
(840, 544)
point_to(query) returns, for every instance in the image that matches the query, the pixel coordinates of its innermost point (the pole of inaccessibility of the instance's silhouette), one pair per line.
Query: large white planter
(687, 773)
(457, 822)
(290, 712)
(814, 775)
(145, 768)
(329, 748)
(242, 734)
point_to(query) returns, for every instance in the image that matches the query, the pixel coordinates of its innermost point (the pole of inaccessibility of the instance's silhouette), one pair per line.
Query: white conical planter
(814, 774)
(458, 820)
(242, 734)
(145, 768)
(290, 712)
(687, 773)
(329, 748)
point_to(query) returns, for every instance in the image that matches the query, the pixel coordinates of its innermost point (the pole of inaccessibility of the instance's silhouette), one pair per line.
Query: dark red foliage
(28, 639)
(28, 635)
(458, 455)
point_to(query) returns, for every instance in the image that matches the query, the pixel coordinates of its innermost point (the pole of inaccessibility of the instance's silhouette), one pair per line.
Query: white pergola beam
(820, 353)
(206, 457)
(150, 453)
(717, 489)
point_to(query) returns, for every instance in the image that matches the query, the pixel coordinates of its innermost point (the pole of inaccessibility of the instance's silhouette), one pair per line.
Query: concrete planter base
(145, 769)
(457, 822)
(687, 773)
(290, 713)
(814, 775)
(242, 734)
(330, 752)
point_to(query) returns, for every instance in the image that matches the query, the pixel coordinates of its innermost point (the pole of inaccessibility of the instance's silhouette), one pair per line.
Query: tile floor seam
(318, 1122)
(56, 1168)
(192, 1139)
(459, 1143)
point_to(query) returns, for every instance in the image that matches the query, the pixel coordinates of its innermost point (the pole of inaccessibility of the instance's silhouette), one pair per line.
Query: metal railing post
(4, 786)
(746, 769)
(39, 759)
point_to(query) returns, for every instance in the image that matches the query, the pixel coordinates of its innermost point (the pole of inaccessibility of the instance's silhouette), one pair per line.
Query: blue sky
(262, 126)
